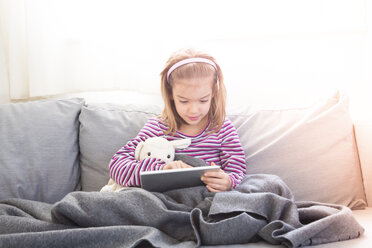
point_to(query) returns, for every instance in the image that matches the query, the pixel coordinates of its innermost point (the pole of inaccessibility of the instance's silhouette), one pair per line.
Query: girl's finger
(216, 174)
(212, 189)
(210, 180)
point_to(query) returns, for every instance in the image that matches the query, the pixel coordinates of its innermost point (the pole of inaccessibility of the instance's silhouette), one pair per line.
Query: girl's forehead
(192, 89)
(204, 82)
(198, 86)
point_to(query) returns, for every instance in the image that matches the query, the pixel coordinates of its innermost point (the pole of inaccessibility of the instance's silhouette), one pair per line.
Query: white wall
(4, 86)
(272, 52)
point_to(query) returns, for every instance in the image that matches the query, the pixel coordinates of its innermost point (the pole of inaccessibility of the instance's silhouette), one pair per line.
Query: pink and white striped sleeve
(232, 154)
(124, 168)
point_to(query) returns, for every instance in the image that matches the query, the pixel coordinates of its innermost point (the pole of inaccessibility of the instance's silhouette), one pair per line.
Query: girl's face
(192, 99)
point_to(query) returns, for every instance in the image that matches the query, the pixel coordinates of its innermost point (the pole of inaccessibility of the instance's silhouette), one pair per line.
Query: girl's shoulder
(153, 119)
(156, 123)
(227, 123)
(226, 128)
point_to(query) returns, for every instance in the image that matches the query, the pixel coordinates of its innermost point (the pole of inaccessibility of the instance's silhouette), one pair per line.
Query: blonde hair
(216, 114)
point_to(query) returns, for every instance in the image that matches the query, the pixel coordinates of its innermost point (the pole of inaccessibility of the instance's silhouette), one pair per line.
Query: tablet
(164, 180)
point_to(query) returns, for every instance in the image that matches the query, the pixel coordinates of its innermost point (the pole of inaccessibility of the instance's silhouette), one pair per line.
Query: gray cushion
(104, 129)
(312, 149)
(39, 149)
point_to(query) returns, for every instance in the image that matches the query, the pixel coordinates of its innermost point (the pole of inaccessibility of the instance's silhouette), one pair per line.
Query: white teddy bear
(154, 147)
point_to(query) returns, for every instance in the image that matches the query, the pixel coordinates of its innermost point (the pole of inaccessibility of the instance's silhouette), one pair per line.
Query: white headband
(188, 61)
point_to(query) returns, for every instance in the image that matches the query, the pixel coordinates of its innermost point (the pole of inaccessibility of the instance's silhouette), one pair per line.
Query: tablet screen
(164, 180)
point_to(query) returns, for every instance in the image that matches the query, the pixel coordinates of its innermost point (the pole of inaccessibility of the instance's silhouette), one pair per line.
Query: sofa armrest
(363, 135)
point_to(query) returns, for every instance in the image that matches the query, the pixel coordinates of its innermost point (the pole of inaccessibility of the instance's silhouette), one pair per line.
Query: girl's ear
(137, 152)
(181, 144)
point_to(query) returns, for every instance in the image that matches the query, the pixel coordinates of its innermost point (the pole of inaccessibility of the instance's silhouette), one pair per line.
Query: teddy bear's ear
(181, 144)
(137, 152)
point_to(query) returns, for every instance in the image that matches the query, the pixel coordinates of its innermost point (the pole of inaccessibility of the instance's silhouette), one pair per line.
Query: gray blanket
(261, 208)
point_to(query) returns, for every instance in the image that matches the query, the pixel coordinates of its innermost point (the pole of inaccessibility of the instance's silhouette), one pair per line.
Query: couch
(52, 147)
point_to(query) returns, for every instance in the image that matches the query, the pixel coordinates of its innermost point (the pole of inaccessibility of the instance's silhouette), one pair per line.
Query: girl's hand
(217, 181)
(176, 165)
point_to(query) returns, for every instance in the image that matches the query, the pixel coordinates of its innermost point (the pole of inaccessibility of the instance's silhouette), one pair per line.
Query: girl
(194, 95)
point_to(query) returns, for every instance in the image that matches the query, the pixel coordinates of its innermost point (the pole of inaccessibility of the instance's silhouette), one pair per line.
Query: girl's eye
(204, 101)
(149, 154)
(183, 102)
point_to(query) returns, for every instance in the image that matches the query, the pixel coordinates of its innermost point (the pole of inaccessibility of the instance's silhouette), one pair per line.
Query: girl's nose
(193, 108)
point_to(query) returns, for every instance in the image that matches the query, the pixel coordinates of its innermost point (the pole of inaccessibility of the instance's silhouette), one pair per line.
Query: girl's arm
(232, 154)
(232, 161)
(124, 168)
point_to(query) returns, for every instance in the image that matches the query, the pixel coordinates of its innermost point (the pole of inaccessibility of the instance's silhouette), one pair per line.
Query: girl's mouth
(193, 118)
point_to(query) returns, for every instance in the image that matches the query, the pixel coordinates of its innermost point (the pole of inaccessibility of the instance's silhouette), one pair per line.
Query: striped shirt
(222, 147)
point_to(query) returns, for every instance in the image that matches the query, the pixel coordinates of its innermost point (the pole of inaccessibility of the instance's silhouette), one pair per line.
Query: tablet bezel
(164, 180)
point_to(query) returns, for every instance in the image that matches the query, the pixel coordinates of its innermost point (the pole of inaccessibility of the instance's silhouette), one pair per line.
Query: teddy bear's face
(160, 147)
(157, 148)
(153, 152)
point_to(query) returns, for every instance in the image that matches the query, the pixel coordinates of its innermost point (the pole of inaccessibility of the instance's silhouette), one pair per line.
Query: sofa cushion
(104, 129)
(312, 149)
(39, 149)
